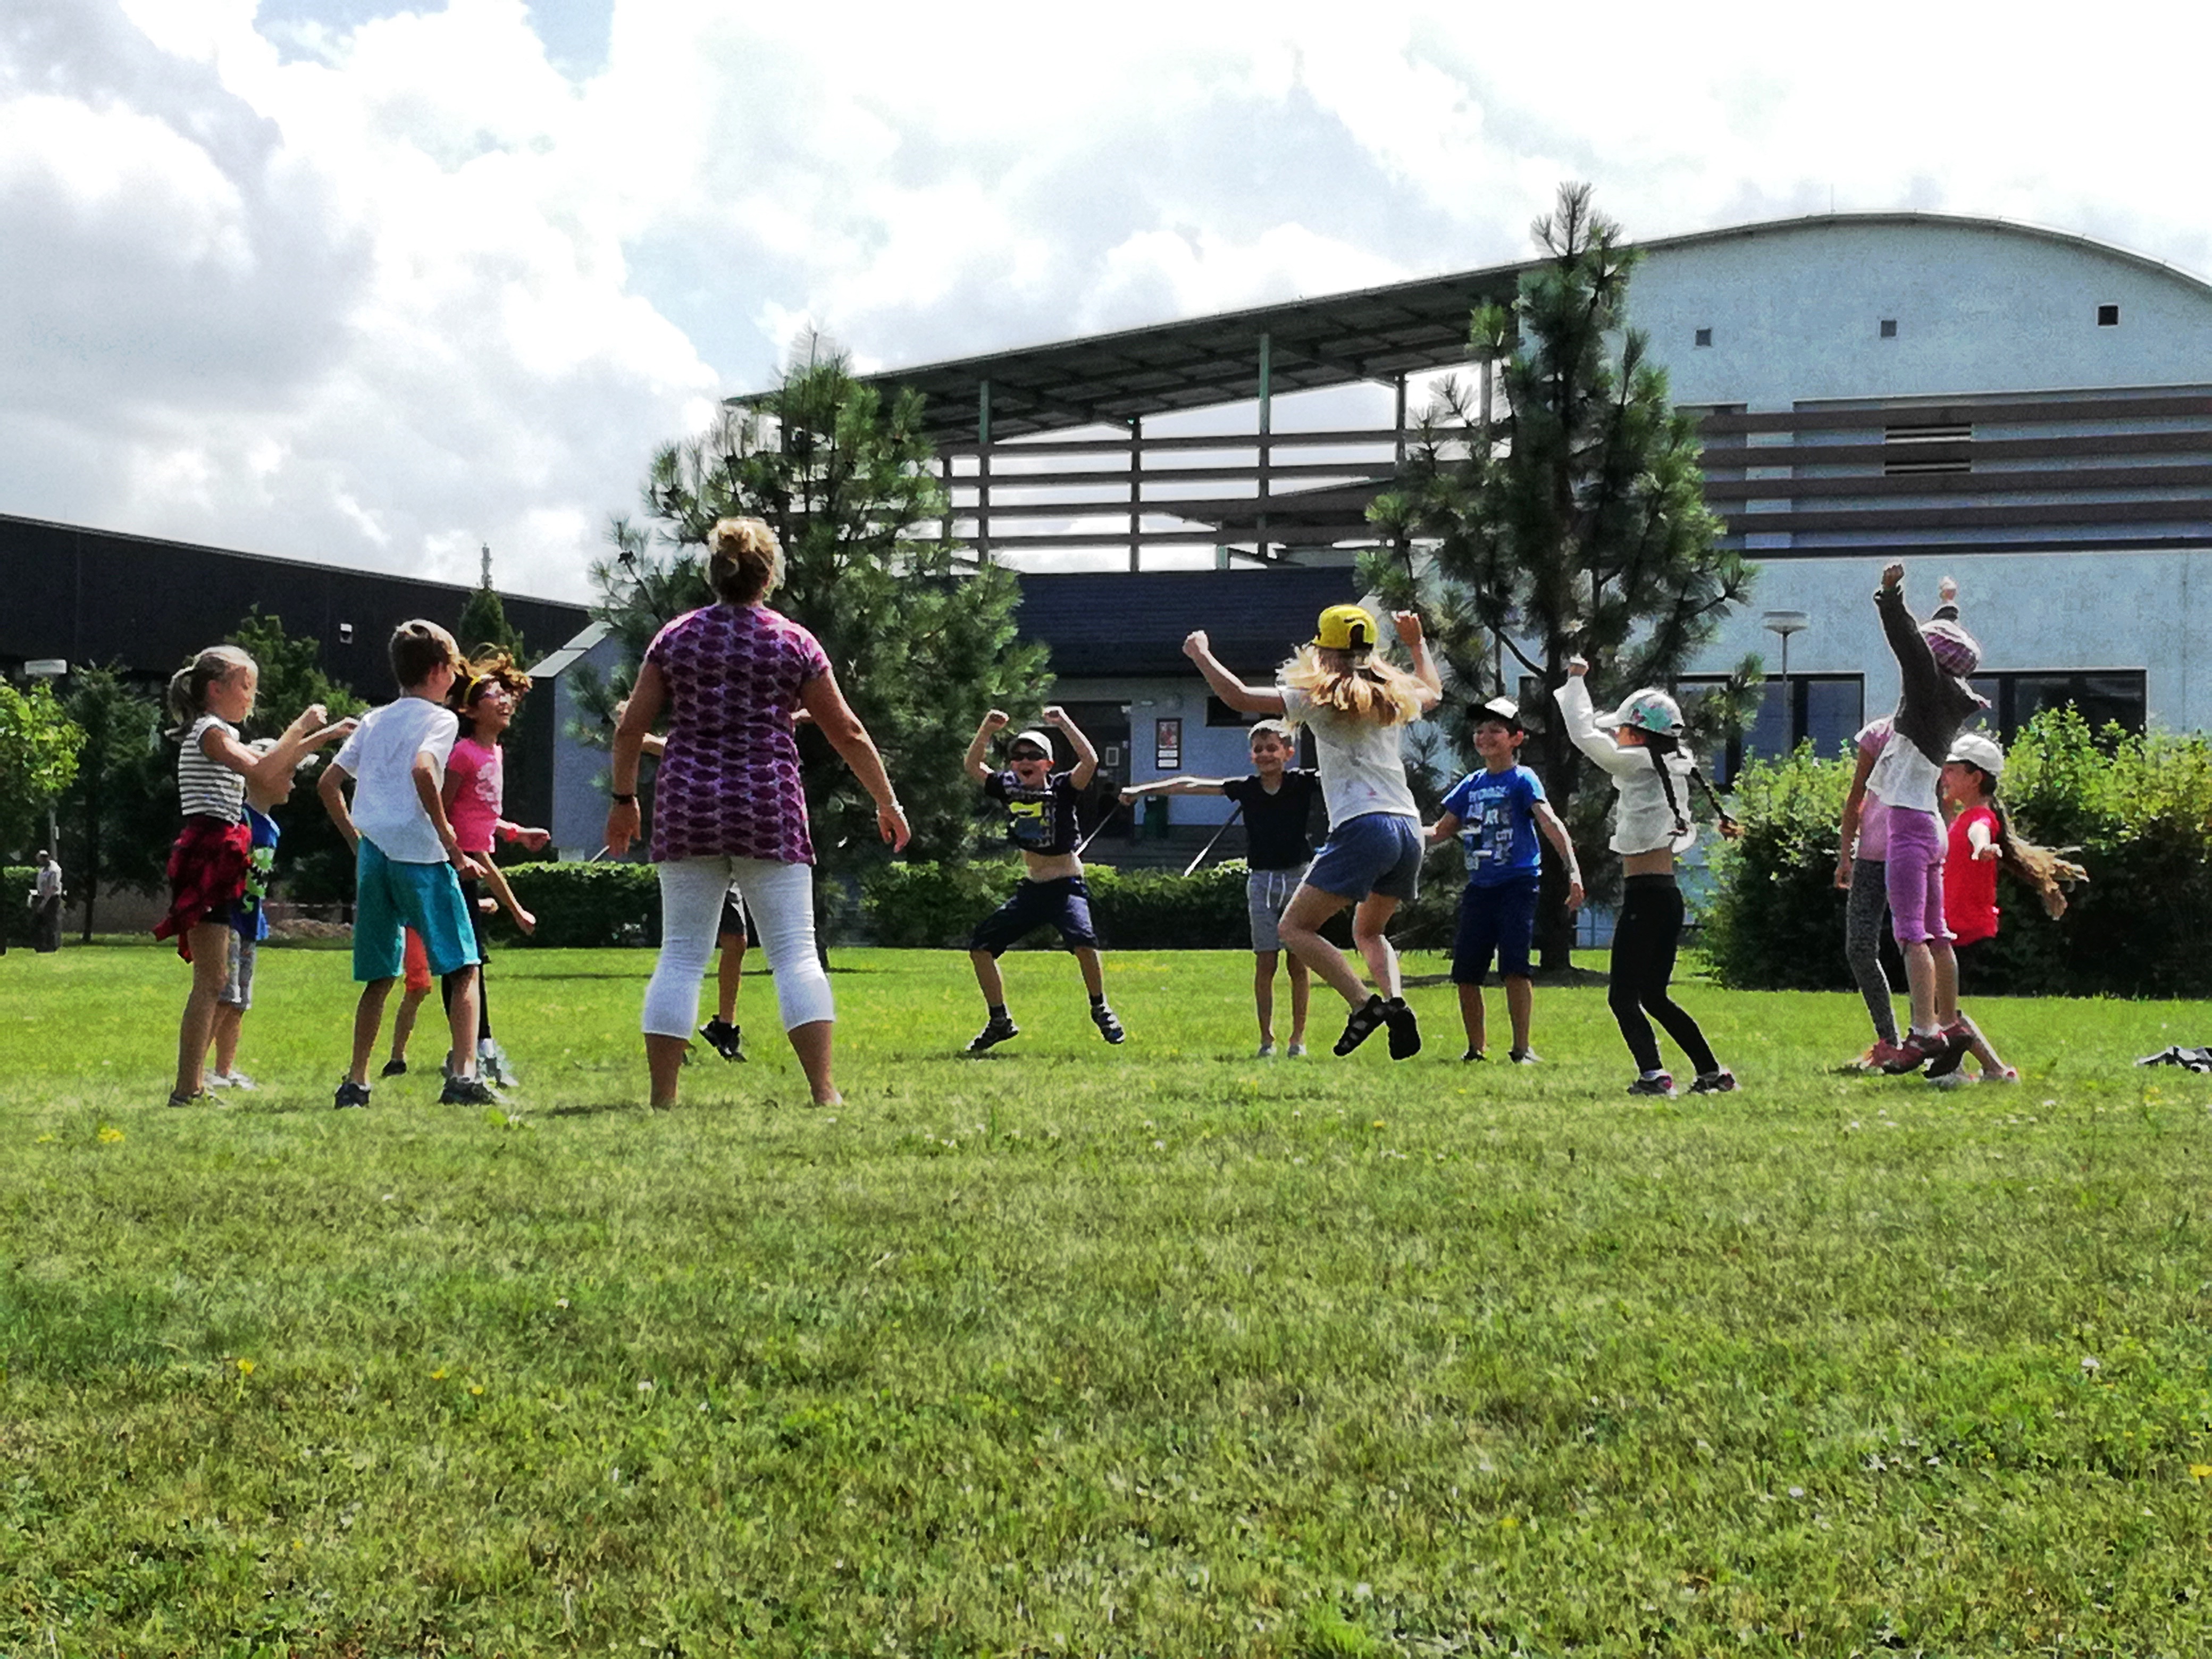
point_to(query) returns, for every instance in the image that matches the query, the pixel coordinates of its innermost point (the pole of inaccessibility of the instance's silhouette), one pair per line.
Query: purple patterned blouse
(728, 784)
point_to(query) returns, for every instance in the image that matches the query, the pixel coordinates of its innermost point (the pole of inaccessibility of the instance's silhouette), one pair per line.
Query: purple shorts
(1914, 874)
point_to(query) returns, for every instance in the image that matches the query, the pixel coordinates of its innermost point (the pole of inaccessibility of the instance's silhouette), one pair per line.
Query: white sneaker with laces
(231, 1080)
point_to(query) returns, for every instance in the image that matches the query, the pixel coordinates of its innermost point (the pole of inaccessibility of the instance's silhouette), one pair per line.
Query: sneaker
(1957, 1038)
(1295, 1051)
(724, 1038)
(1265, 1051)
(1472, 1055)
(350, 1094)
(198, 1097)
(493, 1068)
(1404, 1030)
(394, 1067)
(1661, 1085)
(1524, 1057)
(997, 1031)
(1916, 1051)
(466, 1092)
(1361, 1023)
(1722, 1082)
(2009, 1074)
(1109, 1027)
(231, 1080)
(1881, 1057)
(1948, 1080)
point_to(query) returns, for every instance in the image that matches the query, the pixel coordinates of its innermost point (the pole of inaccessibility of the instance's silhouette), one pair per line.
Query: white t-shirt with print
(1362, 765)
(380, 755)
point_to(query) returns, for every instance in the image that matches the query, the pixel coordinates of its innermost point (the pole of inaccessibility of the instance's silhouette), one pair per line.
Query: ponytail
(2043, 868)
(186, 699)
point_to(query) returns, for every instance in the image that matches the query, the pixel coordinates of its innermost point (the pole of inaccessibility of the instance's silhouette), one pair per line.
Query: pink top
(729, 783)
(475, 810)
(1873, 811)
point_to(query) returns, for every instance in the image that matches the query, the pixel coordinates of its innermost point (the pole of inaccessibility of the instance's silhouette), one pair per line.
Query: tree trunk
(1555, 923)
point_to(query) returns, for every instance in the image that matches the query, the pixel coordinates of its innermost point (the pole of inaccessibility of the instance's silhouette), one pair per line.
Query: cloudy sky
(374, 281)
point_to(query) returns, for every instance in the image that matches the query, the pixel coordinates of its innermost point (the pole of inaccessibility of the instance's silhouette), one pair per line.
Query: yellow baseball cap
(1345, 628)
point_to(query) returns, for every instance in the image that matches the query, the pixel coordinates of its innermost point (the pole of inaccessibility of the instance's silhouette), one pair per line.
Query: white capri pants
(780, 897)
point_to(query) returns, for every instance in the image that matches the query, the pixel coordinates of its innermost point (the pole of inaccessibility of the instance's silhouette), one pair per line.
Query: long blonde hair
(1355, 682)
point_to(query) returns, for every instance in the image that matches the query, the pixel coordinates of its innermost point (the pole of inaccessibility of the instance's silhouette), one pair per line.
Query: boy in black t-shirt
(1041, 821)
(1277, 801)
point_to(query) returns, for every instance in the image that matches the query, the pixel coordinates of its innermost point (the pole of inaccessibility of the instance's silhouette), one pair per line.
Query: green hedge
(16, 881)
(583, 904)
(2139, 809)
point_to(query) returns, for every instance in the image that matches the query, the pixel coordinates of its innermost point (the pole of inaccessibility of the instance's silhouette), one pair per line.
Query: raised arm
(973, 763)
(1574, 700)
(1408, 624)
(1245, 699)
(1555, 832)
(1915, 663)
(1086, 756)
(1181, 785)
(834, 719)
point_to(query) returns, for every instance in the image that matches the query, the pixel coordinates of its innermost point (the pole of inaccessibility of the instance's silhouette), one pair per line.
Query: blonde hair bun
(744, 560)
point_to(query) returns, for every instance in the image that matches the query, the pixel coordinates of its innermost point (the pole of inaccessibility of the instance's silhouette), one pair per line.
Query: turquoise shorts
(389, 898)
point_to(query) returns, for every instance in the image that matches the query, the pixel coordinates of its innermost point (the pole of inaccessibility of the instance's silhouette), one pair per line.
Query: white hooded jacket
(1645, 822)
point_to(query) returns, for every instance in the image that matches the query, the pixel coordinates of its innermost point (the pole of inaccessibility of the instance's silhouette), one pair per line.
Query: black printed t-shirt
(1040, 820)
(1275, 826)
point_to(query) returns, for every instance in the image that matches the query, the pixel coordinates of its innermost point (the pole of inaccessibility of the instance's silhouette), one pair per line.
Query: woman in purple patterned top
(728, 807)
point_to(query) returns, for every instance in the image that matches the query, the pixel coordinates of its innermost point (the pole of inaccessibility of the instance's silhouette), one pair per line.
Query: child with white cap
(1645, 758)
(1041, 821)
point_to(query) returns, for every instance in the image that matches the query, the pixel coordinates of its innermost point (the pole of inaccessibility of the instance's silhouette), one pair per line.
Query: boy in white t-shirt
(408, 862)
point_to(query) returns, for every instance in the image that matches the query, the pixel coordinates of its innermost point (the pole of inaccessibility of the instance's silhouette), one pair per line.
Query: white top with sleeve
(207, 788)
(1362, 765)
(380, 755)
(1645, 822)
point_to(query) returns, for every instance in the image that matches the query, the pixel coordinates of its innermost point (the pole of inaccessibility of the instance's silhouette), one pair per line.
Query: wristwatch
(623, 800)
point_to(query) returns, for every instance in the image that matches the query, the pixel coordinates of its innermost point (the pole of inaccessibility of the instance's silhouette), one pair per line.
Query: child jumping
(1645, 758)
(485, 701)
(1357, 707)
(1933, 663)
(1041, 821)
(409, 863)
(1498, 813)
(210, 698)
(1277, 801)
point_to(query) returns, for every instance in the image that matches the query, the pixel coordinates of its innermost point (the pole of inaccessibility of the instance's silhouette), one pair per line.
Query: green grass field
(1160, 1350)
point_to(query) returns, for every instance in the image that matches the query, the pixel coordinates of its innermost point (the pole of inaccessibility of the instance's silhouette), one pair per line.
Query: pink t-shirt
(729, 783)
(481, 789)
(1873, 811)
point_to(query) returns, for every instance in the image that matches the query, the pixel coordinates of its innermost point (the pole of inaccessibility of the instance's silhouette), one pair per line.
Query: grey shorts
(237, 988)
(1266, 896)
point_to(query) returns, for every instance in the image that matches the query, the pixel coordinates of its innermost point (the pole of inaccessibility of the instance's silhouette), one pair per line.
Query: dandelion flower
(2200, 1471)
(109, 1134)
(245, 1366)
(476, 1387)
(438, 1377)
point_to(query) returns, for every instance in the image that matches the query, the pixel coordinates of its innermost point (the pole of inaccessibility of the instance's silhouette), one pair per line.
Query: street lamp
(1786, 622)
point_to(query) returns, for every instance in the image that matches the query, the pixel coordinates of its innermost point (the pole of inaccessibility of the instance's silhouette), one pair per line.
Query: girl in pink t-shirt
(474, 792)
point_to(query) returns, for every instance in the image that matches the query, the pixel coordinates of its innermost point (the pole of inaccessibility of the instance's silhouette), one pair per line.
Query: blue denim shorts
(1374, 852)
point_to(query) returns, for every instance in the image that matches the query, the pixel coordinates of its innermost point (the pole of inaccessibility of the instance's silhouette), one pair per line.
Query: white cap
(1978, 748)
(1647, 710)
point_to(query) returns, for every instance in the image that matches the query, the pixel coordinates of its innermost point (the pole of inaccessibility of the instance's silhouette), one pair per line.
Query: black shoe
(1365, 1020)
(1471, 1055)
(1722, 1082)
(724, 1038)
(1662, 1085)
(1109, 1027)
(1404, 1030)
(1958, 1040)
(466, 1092)
(352, 1094)
(1524, 1057)
(992, 1034)
(394, 1068)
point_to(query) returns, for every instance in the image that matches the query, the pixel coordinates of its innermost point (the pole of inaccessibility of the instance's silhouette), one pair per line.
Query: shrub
(2137, 812)
(16, 881)
(583, 904)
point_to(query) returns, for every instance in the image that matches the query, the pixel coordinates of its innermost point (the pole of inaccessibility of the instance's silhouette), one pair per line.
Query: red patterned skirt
(207, 876)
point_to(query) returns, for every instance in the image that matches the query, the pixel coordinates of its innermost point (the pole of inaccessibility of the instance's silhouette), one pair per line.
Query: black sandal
(1404, 1030)
(1366, 1020)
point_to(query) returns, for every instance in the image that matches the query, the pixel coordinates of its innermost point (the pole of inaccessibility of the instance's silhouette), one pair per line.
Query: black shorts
(1064, 904)
(736, 919)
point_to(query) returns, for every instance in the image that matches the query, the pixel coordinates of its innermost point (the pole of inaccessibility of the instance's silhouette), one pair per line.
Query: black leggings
(472, 890)
(1645, 939)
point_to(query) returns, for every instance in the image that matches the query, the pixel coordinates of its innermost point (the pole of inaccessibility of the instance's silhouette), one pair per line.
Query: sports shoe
(1472, 1055)
(724, 1038)
(1265, 1051)
(198, 1097)
(1880, 1056)
(1295, 1051)
(992, 1034)
(394, 1067)
(1361, 1023)
(1404, 1030)
(1957, 1038)
(1916, 1051)
(492, 1066)
(1722, 1082)
(466, 1092)
(1109, 1027)
(1524, 1057)
(1948, 1080)
(2007, 1074)
(352, 1094)
(1661, 1085)
(231, 1080)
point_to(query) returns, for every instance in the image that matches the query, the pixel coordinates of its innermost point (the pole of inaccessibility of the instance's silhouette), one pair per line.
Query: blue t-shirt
(247, 916)
(1497, 814)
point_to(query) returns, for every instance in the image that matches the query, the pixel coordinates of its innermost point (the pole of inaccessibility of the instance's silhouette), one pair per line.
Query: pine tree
(1556, 508)
(923, 641)
(483, 620)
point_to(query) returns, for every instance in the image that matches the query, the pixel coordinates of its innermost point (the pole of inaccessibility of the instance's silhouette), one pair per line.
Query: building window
(1826, 710)
(1929, 446)
(2108, 316)
(1704, 337)
(1889, 328)
(2102, 696)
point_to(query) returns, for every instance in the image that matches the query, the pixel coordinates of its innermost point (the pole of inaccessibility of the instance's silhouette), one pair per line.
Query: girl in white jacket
(1639, 747)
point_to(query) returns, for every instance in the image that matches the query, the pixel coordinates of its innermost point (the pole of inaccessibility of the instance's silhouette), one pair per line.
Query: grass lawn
(1159, 1350)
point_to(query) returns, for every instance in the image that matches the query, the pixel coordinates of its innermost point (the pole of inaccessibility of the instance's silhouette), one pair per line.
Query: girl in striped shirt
(211, 697)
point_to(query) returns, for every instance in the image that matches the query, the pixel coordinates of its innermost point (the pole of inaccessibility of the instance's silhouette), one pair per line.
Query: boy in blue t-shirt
(1497, 812)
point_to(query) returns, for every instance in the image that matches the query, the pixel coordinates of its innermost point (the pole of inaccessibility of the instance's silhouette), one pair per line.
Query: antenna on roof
(487, 564)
